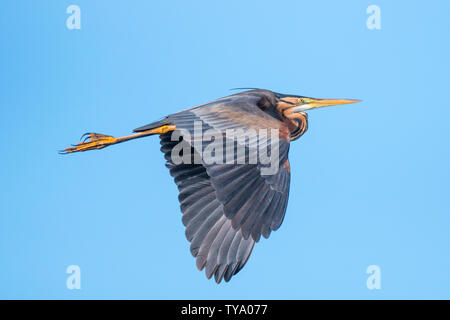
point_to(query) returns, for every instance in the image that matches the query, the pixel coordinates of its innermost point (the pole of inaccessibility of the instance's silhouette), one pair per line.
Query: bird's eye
(301, 101)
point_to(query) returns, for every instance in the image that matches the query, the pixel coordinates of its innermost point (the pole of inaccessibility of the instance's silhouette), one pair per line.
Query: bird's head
(292, 109)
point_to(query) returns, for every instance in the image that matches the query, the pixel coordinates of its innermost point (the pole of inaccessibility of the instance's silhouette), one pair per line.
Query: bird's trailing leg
(94, 141)
(91, 141)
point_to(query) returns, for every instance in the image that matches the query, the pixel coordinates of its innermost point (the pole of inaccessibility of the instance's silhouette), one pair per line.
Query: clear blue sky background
(370, 181)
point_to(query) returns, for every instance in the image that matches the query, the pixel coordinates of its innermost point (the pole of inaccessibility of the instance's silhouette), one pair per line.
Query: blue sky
(370, 181)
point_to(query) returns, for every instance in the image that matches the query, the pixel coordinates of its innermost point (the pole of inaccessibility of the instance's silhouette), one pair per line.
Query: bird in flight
(228, 204)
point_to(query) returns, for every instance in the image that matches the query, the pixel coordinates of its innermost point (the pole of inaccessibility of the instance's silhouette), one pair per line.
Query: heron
(227, 206)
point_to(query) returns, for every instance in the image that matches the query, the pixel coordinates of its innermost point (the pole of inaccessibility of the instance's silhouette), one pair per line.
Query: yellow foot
(91, 141)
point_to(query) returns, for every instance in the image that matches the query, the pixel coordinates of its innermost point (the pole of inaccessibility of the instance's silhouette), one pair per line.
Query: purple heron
(227, 206)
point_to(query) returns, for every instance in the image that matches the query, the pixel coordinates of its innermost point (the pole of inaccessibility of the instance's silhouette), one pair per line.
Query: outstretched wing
(227, 207)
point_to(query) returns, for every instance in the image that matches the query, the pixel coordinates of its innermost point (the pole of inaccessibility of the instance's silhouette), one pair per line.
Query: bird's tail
(154, 125)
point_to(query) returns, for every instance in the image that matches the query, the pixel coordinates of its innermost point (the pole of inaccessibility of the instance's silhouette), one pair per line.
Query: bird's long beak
(319, 103)
(304, 104)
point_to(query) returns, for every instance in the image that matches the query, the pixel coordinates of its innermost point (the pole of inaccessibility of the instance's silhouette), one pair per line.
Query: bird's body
(230, 202)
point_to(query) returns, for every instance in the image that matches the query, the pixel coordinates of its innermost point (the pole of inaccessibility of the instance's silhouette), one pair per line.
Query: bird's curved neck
(297, 122)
